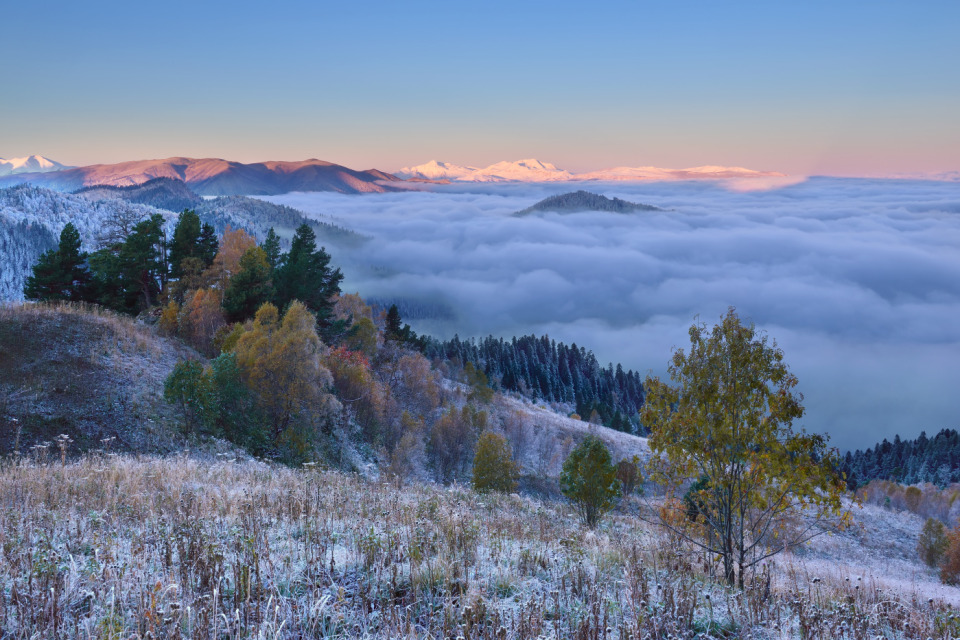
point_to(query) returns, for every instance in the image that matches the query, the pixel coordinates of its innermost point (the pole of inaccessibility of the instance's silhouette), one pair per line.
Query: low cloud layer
(857, 280)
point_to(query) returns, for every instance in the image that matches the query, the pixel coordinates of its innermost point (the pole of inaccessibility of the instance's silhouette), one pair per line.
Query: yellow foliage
(362, 337)
(350, 306)
(169, 319)
(729, 420)
(281, 363)
(201, 318)
(493, 466)
(226, 264)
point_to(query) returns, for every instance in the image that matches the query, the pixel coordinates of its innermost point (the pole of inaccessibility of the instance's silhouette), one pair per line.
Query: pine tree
(142, 263)
(393, 329)
(186, 236)
(61, 274)
(250, 287)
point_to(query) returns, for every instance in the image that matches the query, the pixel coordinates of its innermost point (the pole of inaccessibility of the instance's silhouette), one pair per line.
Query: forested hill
(935, 460)
(544, 369)
(585, 201)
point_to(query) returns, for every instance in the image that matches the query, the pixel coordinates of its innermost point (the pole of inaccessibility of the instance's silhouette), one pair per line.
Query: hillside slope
(86, 373)
(162, 193)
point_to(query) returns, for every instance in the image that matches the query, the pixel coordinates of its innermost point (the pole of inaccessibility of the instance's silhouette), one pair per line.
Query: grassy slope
(117, 546)
(86, 373)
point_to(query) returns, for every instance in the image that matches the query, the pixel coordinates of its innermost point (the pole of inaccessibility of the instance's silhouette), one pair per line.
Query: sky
(806, 88)
(858, 281)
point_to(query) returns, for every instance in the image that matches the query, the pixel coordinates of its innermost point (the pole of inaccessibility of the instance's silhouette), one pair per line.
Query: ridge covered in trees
(924, 459)
(585, 201)
(544, 369)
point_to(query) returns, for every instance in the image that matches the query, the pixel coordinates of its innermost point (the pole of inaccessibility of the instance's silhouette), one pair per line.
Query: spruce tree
(305, 275)
(393, 329)
(207, 244)
(271, 247)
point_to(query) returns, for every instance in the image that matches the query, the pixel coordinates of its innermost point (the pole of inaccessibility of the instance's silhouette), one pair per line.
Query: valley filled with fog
(857, 280)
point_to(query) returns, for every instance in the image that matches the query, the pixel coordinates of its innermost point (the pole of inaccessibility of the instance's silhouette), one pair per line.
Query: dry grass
(120, 547)
(86, 372)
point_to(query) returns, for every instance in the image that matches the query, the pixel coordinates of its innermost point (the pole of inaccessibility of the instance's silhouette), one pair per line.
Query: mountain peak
(29, 164)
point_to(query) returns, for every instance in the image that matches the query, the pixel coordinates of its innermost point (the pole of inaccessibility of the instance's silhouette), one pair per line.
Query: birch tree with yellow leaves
(280, 361)
(727, 421)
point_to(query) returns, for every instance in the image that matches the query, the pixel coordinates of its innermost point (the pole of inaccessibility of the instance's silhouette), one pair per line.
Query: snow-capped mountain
(531, 170)
(435, 170)
(29, 164)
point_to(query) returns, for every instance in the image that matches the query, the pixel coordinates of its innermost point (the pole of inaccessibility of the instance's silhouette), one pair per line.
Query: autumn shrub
(169, 323)
(911, 496)
(185, 387)
(950, 562)
(362, 337)
(933, 542)
(480, 390)
(589, 480)
(362, 395)
(451, 441)
(628, 473)
(493, 466)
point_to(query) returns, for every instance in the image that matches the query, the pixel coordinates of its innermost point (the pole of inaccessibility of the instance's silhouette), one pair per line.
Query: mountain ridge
(216, 176)
(532, 170)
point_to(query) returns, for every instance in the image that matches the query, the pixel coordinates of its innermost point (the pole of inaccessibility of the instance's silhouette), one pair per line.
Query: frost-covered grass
(118, 547)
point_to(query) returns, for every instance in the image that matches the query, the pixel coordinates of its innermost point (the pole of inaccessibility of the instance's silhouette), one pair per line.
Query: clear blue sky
(801, 87)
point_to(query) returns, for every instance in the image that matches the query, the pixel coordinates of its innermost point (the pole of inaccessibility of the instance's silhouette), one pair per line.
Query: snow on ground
(881, 547)
(549, 436)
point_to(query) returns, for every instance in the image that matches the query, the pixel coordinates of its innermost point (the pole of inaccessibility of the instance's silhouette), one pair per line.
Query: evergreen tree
(306, 275)
(185, 243)
(207, 245)
(393, 328)
(128, 276)
(61, 274)
(142, 262)
(249, 288)
(271, 247)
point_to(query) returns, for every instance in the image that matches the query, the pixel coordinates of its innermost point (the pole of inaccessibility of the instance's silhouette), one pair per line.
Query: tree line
(544, 369)
(935, 460)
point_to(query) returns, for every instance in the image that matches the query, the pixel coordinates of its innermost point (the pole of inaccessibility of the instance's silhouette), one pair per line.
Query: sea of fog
(857, 280)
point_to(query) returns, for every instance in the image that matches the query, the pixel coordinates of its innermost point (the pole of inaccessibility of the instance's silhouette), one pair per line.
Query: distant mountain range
(531, 170)
(213, 176)
(29, 164)
(585, 201)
